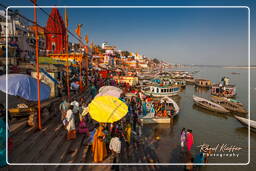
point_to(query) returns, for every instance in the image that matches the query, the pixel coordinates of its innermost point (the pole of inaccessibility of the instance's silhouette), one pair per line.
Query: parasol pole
(37, 70)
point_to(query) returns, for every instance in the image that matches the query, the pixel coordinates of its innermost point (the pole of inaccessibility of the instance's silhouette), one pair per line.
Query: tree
(125, 53)
(156, 61)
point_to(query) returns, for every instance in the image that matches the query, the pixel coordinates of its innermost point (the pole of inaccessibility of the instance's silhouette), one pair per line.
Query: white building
(19, 31)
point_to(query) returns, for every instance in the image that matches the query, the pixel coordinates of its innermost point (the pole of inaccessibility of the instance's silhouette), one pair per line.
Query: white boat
(245, 122)
(204, 103)
(152, 118)
(170, 102)
(161, 91)
(157, 120)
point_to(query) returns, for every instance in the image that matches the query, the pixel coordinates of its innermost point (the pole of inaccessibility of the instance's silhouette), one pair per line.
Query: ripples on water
(208, 127)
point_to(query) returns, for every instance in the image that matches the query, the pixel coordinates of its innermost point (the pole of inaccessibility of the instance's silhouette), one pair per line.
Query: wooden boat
(161, 91)
(190, 81)
(180, 82)
(230, 104)
(245, 122)
(235, 73)
(204, 103)
(157, 120)
(167, 101)
(152, 118)
(203, 83)
(224, 88)
(224, 91)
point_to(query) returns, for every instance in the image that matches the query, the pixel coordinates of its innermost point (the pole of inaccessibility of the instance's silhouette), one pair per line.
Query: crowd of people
(104, 139)
(107, 140)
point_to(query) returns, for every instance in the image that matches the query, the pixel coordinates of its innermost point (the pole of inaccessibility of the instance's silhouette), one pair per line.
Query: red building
(55, 33)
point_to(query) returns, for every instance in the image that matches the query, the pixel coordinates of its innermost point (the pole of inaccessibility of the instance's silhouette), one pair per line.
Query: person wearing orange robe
(99, 147)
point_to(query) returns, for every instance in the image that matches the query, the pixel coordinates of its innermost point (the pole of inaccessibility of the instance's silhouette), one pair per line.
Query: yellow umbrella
(107, 109)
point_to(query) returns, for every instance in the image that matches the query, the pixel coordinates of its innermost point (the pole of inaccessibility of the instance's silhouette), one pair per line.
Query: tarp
(24, 86)
(49, 76)
(109, 91)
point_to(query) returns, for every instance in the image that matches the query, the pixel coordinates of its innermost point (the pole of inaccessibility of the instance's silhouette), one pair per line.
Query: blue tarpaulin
(24, 86)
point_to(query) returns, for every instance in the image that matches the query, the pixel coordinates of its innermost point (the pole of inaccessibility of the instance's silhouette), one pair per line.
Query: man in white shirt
(115, 147)
(76, 106)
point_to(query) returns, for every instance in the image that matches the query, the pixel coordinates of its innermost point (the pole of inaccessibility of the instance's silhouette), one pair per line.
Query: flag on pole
(96, 50)
(66, 18)
(86, 38)
(78, 29)
(91, 46)
(86, 49)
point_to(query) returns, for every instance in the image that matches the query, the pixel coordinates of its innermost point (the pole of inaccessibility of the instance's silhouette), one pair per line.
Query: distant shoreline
(240, 67)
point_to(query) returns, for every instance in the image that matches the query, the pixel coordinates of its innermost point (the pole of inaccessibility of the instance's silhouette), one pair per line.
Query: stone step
(60, 152)
(73, 151)
(17, 124)
(41, 144)
(22, 144)
(44, 155)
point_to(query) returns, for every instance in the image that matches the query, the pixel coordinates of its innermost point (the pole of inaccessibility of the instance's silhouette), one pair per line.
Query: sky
(177, 35)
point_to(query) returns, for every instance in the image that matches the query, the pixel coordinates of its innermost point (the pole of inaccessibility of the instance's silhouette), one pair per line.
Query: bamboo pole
(37, 70)
(81, 82)
(86, 68)
(67, 65)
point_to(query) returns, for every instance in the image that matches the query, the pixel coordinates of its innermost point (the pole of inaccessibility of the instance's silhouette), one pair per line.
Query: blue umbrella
(24, 86)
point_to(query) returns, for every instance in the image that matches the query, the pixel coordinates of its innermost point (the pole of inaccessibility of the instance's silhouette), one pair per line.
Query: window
(53, 46)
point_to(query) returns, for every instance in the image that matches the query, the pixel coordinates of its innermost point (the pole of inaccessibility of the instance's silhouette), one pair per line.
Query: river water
(208, 127)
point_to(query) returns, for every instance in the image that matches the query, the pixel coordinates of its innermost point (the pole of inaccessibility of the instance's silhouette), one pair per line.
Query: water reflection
(242, 130)
(201, 90)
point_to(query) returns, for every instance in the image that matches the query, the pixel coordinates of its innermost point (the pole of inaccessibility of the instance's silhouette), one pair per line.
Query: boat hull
(203, 86)
(228, 105)
(209, 105)
(245, 121)
(161, 94)
(211, 109)
(224, 95)
(155, 120)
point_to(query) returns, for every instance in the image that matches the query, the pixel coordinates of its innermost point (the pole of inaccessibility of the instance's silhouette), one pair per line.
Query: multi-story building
(21, 37)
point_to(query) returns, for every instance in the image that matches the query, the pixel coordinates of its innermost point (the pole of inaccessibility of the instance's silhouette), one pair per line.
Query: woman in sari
(99, 147)
(190, 140)
(128, 130)
(182, 138)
